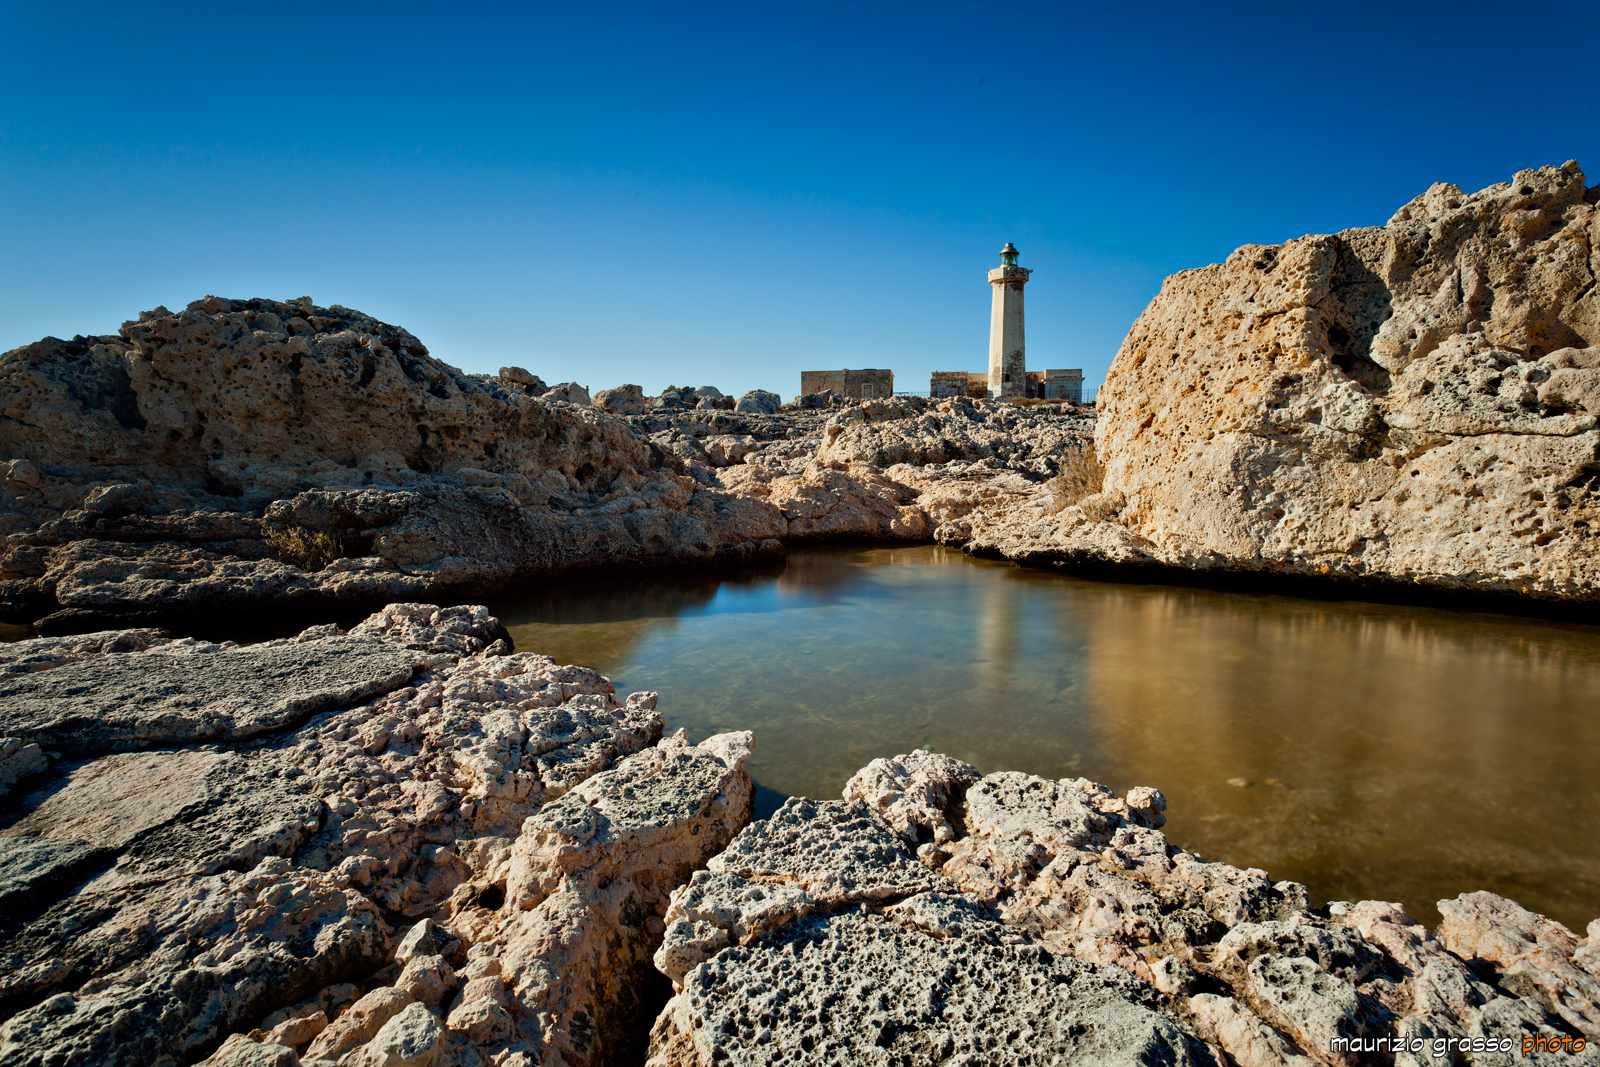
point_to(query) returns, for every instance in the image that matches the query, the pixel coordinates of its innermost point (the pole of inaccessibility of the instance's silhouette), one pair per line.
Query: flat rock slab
(225, 694)
(110, 802)
(809, 856)
(31, 867)
(167, 814)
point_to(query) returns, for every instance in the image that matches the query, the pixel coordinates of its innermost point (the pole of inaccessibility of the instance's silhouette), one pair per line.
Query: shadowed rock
(189, 693)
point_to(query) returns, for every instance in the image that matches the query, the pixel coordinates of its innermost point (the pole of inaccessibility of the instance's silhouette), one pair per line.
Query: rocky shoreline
(1401, 410)
(405, 843)
(302, 459)
(408, 844)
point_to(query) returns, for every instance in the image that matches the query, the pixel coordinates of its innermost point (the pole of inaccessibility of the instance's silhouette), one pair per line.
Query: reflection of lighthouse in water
(998, 633)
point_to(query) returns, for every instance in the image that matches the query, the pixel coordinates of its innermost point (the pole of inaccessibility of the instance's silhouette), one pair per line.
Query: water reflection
(1387, 751)
(1373, 751)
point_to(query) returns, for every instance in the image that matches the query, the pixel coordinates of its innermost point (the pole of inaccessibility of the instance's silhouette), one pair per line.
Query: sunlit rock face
(935, 916)
(254, 398)
(419, 848)
(1414, 402)
(269, 452)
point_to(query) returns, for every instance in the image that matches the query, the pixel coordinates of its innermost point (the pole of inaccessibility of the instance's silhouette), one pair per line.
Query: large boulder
(623, 400)
(710, 398)
(569, 393)
(810, 401)
(759, 402)
(1414, 402)
(673, 398)
(523, 380)
(256, 398)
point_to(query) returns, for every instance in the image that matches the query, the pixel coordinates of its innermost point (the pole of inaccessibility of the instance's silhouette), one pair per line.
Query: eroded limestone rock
(759, 402)
(1530, 954)
(919, 432)
(807, 857)
(623, 400)
(802, 943)
(336, 891)
(256, 451)
(1409, 403)
(156, 695)
(588, 879)
(858, 987)
(252, 394)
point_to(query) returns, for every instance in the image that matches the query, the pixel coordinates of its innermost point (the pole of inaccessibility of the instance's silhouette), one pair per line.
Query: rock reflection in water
(1368, 751)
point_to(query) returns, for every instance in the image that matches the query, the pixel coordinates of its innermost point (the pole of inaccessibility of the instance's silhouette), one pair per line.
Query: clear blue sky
(726, 195)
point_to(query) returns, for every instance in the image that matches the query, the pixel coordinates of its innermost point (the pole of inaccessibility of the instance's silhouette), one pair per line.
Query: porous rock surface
(1052, 922)
(250, 451)
(427, 850)
(1410, 403)
(906, 468)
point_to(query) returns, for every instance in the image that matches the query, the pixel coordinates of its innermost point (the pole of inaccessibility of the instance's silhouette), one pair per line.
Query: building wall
(1063, 385)
(866, 384)
(855, 384)
(1047, 384)
(822, 381)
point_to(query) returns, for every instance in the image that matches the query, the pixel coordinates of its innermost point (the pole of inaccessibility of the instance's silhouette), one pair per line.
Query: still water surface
(1368, 751)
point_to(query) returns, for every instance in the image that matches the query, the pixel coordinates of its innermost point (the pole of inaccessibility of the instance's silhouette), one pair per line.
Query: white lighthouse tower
(1008, 369)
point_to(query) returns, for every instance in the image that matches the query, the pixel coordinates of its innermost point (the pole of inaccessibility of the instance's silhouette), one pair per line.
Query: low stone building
(1047, 384)
(1060, 385)
(948, 383)
(855, 384)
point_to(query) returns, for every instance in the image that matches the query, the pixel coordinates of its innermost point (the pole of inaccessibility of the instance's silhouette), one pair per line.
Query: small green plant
(1081, 475)
(308, 549)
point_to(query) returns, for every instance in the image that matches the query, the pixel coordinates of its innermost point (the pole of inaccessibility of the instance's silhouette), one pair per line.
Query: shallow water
(1368, 751)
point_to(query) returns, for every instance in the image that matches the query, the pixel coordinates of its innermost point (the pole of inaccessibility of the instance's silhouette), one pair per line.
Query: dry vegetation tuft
(310, 550)
(1081, 475)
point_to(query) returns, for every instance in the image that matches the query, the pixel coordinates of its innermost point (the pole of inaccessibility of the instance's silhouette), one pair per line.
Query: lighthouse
(1008, 369)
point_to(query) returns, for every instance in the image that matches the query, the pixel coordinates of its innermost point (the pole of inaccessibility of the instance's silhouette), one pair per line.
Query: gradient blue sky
(704, 194)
